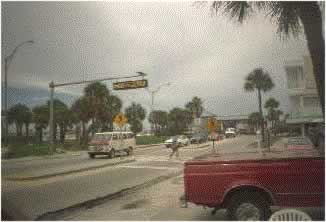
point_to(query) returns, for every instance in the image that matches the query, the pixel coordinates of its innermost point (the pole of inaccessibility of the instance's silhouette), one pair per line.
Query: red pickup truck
(247, 185)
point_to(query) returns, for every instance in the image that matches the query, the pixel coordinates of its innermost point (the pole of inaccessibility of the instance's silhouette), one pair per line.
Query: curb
(55, 215)
(30, 158)
(198, 147)
(148, 145)
(45, 176)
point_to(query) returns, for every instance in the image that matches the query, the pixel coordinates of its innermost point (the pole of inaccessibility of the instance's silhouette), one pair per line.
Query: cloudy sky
(199, 53)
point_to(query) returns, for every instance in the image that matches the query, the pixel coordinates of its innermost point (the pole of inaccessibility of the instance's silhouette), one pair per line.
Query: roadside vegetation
(146, 140)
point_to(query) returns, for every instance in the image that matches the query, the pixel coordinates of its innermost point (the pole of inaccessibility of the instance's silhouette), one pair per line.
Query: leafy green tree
(260, 81)
(291, 18)
(135, 114)
(195, 106)
(179, 120)
(40, 117)
(19, 114)
(136, 126)
(159, 119)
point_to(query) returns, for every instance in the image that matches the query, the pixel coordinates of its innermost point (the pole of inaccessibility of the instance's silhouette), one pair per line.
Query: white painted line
(150, 167)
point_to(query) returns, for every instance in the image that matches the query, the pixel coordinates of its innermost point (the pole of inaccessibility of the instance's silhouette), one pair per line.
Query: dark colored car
(198, 138)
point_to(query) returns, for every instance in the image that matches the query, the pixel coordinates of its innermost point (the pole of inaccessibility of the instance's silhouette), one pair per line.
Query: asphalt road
(29, 200)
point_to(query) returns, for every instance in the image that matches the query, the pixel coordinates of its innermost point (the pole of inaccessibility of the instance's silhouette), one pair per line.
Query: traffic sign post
(212, 126)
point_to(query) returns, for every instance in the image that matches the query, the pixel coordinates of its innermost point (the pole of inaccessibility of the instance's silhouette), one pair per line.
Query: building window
(295, 77)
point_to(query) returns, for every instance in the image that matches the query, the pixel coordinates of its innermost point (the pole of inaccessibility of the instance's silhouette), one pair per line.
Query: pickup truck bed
(275, 179)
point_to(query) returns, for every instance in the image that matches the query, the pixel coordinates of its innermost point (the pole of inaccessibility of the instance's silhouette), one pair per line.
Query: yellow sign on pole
(212, 124)
(120, 120)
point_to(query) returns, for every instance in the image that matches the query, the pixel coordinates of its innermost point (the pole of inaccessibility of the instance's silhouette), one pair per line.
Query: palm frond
(249, 86)
(236, 9)
(286, 15)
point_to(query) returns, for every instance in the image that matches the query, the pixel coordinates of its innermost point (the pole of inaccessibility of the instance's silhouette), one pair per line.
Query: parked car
(198, 138)
(169, 142)
(180, 140)
(248, 185)
(230, 132)
(183, 140)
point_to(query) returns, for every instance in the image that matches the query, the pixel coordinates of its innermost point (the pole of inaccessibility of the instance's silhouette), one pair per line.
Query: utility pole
(52, 86)
(8, 61)
(153, 92)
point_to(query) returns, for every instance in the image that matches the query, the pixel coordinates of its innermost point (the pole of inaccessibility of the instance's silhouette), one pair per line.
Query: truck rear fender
(248, 188)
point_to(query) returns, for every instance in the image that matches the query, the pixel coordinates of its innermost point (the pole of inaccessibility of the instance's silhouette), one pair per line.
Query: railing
(299, 115)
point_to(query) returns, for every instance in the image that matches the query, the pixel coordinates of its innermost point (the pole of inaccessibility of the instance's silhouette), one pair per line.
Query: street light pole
(152, 92)
(51, 85)
(8, 61)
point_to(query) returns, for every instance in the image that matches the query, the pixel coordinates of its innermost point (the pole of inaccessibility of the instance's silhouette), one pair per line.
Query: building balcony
(305, 117)
(302, 91)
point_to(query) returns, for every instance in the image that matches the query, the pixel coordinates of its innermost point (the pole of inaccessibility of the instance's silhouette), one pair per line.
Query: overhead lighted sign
(130, 84)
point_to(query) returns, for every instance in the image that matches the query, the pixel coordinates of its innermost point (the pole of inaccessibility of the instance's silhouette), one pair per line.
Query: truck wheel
(112, 154)
(248, 206)
(91, 155)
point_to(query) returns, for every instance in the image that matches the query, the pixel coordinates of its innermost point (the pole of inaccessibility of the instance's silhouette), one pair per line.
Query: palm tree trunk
(311, 19)
(62, 135)
(84, 133)
(41, 135)
(261, 116)
(27, 133)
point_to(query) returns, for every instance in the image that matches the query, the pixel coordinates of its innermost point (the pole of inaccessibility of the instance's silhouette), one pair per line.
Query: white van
(110, 143)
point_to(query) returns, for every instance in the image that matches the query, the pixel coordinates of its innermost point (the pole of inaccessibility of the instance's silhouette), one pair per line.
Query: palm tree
(178, 120)
(97, 94)
(81, 109)
(195, 106)
(61, 118)
(273, 115)
(254, 119)
(113, 108)
(159, 119)
(272, 103)
(135, 114)
(19, 114)
(27, 116)
(40, 117)
(260, 81)
(291, 17)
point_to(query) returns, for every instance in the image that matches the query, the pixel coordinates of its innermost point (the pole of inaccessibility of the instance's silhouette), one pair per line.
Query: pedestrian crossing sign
(120, 120)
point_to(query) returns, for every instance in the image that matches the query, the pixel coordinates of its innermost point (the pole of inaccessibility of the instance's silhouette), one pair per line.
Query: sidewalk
(63, 155)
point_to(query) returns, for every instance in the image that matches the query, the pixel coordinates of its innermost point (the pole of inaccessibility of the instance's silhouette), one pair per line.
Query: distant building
(305, 107)
(241, 122)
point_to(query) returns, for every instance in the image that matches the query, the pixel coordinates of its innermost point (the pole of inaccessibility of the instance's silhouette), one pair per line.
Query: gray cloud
(200, 54)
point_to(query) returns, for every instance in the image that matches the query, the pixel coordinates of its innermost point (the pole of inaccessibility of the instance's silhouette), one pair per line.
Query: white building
(305, 107)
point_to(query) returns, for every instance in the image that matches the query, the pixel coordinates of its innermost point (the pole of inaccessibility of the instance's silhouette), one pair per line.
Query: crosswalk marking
(149, 167)
(159, 158)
